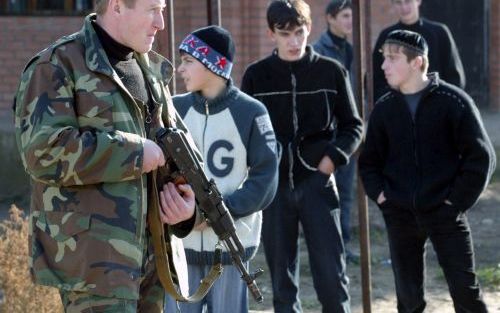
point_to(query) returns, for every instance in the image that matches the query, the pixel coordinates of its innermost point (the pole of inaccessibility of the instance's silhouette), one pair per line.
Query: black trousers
(313, 204)
(448, 230)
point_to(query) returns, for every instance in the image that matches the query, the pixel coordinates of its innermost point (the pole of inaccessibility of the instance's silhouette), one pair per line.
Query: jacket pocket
(62, 226)
(60, 251)
(95, 113)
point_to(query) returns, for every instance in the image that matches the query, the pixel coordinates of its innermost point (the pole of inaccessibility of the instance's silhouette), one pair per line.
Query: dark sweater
(306, 100)
(443, 54)
(445, 154)
(335, 47)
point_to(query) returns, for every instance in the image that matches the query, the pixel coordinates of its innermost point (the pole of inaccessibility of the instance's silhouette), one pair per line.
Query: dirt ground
(484, 219)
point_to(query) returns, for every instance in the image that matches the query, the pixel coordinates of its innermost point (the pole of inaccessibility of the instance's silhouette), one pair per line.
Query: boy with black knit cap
(443, 53)
(426, 160)
(306, 95)
(234, 133)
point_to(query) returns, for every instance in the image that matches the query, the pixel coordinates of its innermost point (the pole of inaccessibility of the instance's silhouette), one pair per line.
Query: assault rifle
(186, 167)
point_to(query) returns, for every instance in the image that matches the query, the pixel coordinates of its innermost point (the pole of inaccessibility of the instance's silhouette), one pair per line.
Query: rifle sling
(163, 254)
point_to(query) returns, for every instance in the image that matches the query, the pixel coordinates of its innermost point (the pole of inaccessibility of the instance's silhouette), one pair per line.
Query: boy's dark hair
(287, 14)
(335, 6)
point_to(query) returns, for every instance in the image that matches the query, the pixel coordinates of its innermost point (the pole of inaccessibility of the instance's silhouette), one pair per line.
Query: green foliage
(496, 175)
(489, 277)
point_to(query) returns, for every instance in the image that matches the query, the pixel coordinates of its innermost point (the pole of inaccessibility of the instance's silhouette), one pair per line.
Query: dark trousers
(314, 204)
(448, 230)
(344, 176)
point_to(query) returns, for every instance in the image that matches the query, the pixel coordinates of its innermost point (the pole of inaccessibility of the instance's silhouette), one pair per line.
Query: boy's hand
(381, 198)
(177, 203)
(326, 165)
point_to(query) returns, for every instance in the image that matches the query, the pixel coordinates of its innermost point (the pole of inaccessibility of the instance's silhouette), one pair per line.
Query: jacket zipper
(207, 113)
(414, 130)
(295, 129)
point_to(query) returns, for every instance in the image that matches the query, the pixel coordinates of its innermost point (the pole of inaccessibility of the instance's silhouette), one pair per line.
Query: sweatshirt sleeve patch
(264, 124)
(266, 129)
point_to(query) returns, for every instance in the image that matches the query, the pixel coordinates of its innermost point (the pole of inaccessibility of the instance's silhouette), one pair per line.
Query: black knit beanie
(408, 39)
(213, 46)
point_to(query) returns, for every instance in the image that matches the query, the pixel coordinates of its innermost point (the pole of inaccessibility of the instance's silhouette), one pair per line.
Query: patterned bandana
(213, 60)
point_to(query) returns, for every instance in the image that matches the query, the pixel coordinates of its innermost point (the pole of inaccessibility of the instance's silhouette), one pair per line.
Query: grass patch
(490, 277)
(495, 178)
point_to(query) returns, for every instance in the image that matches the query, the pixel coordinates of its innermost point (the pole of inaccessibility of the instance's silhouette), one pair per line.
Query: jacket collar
(326, 40)
(217, 104)
(434, 82)
(304, 62)
(153, 64)
(418, 24)
(331, 40)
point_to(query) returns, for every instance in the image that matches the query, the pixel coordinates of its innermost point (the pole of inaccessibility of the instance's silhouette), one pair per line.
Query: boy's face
(407, 10)
(341, 24)
(397, 70)
(194, 74)
(291, 43)
(137, 26)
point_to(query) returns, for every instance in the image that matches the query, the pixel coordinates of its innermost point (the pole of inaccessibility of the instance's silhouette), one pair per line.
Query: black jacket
(443, 54)
(308, 100)
(444, 155)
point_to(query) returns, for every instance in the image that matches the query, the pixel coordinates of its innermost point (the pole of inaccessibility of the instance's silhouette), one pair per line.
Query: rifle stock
(185, 163)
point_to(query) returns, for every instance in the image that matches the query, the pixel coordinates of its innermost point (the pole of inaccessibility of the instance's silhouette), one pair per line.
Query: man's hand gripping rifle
(187, 168)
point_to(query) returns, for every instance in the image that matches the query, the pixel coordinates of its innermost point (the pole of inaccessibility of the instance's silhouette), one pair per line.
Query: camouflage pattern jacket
(80, 134)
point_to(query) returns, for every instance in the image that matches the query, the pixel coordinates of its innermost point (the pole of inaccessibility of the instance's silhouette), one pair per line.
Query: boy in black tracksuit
(443, 53)
(426, 160)
(305, 93)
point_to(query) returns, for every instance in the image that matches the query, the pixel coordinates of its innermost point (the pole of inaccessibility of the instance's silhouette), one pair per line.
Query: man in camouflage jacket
(82, 134)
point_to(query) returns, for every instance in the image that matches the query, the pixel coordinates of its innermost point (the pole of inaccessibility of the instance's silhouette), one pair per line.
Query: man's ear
(271, 35)
(329, 19)
(114, 6)
(417, 62)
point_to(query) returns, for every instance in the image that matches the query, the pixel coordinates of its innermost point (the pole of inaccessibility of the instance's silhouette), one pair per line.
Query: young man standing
(443, 53)
(304, 94)
(87, 110)
(233, 131)
(426, 160)
(333, 43)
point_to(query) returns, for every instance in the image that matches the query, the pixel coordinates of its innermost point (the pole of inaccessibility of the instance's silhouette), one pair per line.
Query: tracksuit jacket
(312, 110)
(445, 154)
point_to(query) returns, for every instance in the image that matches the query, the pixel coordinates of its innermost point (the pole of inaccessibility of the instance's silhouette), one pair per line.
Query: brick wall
(494, 58)
(21, 37)
(246, 20)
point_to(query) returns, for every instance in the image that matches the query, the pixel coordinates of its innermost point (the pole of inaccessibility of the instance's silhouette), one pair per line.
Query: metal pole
(171, 41)
(360, 53)
(213, 6)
